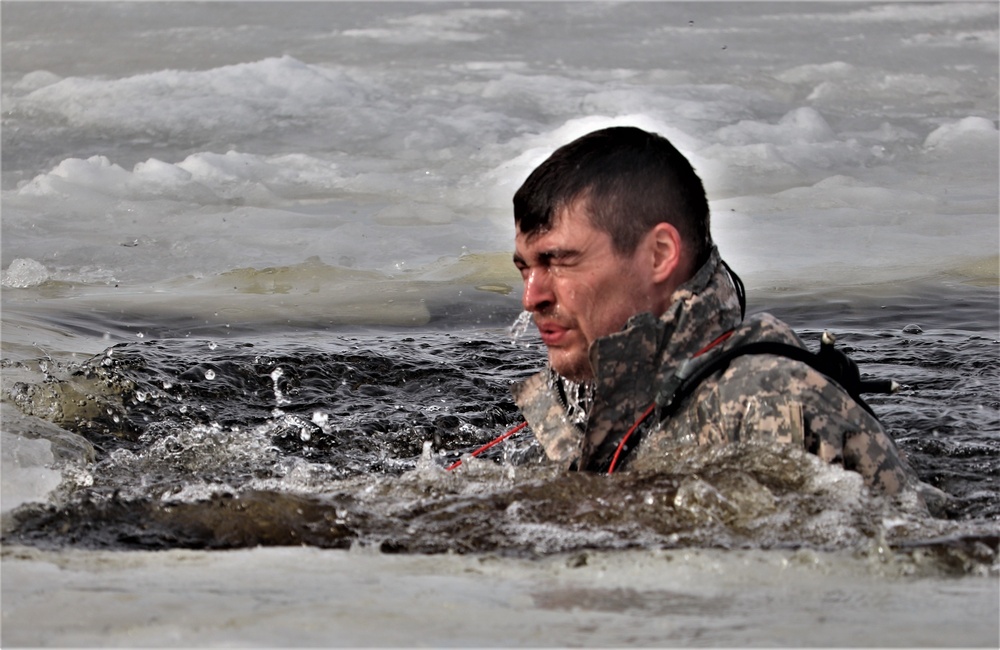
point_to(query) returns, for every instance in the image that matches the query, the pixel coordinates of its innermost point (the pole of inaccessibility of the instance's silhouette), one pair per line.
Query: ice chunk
(26, 475)
(23, 273)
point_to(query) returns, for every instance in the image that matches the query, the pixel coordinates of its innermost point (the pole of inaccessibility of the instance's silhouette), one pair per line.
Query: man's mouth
(552, 333)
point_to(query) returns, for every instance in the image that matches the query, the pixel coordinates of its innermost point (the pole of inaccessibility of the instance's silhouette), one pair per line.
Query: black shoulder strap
(829, 361)
(741, 292)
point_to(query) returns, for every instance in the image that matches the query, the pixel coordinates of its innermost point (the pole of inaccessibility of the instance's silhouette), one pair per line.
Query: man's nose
(538, 294)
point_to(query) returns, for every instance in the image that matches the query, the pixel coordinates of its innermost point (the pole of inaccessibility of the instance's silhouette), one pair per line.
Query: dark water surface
(340, 438)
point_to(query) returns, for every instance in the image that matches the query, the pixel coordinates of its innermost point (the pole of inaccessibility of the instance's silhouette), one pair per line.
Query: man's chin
(573, 367)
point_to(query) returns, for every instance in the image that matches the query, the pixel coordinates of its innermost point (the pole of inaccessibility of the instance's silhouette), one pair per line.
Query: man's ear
(668, 252)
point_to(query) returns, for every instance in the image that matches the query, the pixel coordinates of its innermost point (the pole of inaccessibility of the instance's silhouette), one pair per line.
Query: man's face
(579, 288)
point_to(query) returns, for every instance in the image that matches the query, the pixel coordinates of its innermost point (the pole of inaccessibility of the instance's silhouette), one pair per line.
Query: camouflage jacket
(757, 397)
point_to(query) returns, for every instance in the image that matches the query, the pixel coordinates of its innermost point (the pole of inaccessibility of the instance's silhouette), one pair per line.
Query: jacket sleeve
(769, 397)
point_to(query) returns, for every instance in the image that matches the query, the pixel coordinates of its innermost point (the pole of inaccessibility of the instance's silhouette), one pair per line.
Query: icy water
(257, 292)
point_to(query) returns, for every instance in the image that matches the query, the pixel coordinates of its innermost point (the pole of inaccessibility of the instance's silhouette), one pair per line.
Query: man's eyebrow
(547, 256)
(557, 254)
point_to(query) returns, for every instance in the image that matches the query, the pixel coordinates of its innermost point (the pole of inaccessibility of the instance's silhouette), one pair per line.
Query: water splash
(279, 397)
(520, 326)
(580, 397)
(351, 436)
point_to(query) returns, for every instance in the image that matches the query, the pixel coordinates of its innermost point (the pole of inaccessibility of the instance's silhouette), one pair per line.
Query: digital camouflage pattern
(758, 397)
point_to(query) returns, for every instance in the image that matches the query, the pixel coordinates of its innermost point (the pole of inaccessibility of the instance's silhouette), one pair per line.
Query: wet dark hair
(631, 180)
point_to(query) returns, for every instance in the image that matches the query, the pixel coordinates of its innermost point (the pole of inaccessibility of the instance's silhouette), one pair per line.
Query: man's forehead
(565, 240)
(573, 215)
(545, 237)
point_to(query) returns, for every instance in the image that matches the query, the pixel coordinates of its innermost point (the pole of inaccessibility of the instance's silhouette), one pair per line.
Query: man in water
(626, 285)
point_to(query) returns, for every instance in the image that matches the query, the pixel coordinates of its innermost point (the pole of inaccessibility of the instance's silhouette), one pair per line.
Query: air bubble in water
(210, 374)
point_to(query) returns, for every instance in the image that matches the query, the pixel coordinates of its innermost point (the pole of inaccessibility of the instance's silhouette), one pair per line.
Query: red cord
(714, 343)
(495, 441)
(621, 445)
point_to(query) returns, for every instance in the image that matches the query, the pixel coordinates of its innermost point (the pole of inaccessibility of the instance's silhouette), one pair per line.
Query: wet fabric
(756, 397)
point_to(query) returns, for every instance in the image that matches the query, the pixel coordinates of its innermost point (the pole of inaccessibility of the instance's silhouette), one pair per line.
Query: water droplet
(140, 335)
(212, 345)
(520, 326)
(140, 396)
(209, 374)
(279, 397)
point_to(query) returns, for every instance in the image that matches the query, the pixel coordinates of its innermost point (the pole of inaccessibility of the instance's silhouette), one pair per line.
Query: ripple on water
(344, 443)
